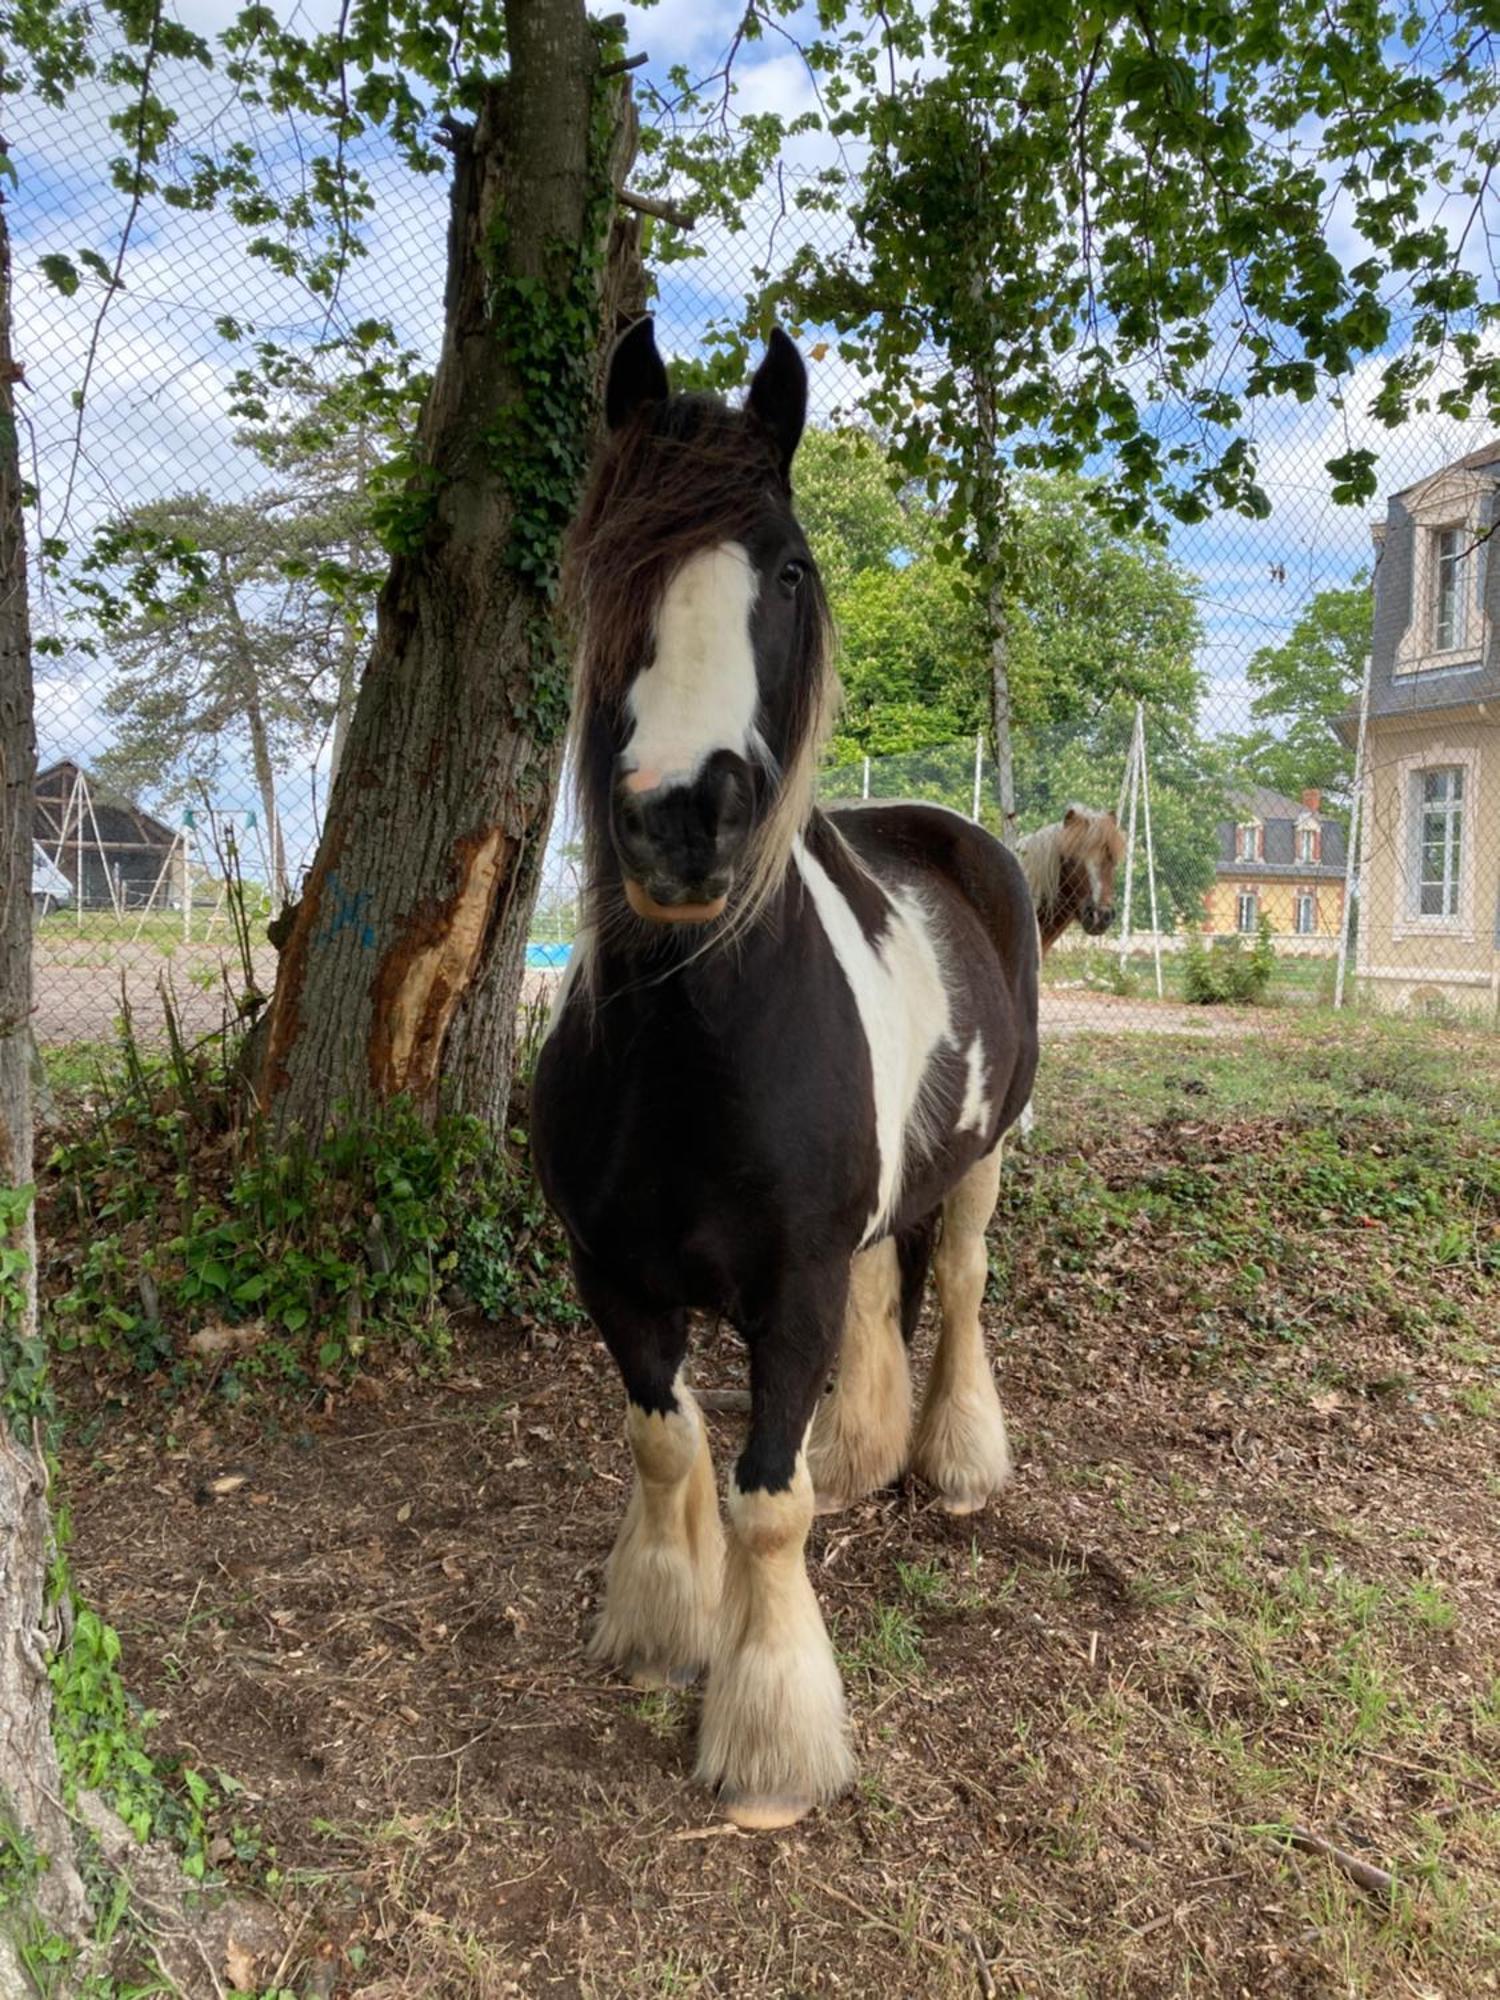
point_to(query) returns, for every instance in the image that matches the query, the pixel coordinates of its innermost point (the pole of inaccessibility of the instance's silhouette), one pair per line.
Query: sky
(155, 420)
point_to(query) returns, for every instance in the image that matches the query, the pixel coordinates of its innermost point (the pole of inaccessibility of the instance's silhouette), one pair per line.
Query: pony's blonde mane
(1082, 835)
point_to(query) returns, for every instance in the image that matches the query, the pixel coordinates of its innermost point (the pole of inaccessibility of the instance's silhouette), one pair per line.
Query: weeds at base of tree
(286, 1260)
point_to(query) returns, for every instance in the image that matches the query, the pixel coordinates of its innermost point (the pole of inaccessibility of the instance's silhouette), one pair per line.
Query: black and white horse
(787, 1046)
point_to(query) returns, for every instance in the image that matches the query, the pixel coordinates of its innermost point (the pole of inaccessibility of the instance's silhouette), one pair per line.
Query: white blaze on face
(903, 1008)
(699, 693)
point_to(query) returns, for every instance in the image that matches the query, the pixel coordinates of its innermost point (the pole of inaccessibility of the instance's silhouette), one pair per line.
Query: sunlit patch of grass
(887, 1652)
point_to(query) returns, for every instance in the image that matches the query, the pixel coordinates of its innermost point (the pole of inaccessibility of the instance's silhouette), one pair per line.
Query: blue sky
(156, 421)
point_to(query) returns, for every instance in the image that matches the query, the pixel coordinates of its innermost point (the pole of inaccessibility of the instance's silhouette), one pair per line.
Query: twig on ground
(1374, 1881)
(720, 1400)
(882, 1923)
(981, 1964)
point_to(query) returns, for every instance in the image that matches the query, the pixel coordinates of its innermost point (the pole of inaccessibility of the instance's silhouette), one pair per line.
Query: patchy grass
(1246, 1323)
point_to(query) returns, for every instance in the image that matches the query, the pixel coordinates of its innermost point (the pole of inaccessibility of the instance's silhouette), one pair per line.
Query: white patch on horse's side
(699, 694)
(975, 1115)
(903, 1008)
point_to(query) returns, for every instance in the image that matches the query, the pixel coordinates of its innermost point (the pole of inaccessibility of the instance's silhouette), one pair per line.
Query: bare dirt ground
(1247, 1576)
(78, 996)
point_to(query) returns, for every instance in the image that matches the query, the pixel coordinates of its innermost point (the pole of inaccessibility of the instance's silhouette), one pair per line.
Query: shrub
(1224, 973)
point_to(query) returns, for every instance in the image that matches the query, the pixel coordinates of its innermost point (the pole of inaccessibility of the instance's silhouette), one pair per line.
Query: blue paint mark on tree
(346, 909)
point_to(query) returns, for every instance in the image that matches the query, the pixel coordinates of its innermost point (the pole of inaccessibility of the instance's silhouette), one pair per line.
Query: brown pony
(1070, 869)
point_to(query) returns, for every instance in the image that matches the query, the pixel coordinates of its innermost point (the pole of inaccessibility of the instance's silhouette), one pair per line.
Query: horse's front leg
(774, 1737)
(663, 1576)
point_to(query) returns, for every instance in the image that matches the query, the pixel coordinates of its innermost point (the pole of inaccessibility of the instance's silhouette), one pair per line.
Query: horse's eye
(792, 573)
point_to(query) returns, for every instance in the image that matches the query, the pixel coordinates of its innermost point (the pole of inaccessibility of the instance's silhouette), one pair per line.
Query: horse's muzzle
(1096, 921)
(678, 841)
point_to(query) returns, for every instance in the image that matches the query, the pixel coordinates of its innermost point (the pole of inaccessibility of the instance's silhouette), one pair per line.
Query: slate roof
(1431, 690)
(1278, 816)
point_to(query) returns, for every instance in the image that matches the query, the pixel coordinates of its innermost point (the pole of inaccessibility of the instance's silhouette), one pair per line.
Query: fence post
(864, 789)
(1140, 726)
(1356, 829)
(1133, 785)
(978, 767)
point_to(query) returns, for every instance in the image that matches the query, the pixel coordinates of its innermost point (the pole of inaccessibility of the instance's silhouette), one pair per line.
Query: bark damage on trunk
(401, 966)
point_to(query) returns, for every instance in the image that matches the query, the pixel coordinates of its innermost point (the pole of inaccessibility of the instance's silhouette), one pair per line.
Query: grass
(1246, 1323)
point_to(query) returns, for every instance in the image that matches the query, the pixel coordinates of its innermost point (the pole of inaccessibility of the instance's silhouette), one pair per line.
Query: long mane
(684, 475)
(1084, 835)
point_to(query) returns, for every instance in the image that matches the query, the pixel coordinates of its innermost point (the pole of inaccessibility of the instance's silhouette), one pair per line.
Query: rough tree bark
(401, 966)
(30, 1787)
(991, 500)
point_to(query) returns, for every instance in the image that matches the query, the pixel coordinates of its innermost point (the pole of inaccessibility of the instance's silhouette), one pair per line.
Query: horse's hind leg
(863, 1425)
(664, 1574)
(774, 1738)
(961, 1447)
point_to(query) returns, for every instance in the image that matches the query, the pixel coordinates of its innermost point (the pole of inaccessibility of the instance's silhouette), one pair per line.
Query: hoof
(834, 1503)
(754, 1814)
(960, 1504)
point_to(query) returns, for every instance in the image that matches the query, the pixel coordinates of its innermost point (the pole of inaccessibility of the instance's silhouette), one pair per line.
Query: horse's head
(1092, 849)
(704, 673)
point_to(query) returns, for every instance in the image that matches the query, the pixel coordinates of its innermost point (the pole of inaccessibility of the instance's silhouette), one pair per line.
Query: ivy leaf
(61, 273)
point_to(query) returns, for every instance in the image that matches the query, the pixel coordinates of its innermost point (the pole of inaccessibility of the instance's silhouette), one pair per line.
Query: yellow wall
(1403, 958)
(1277, 900)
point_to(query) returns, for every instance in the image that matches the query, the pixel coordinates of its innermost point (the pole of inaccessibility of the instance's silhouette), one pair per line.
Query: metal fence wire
(172, 760)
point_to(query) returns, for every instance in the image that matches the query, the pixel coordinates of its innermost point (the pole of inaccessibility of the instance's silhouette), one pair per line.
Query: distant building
(112, 854)
(1429, 917)
(1281, 859)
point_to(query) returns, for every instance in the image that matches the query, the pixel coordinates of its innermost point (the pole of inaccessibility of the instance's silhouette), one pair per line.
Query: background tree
(1056, 203)
(221, 652)
(1302, 687)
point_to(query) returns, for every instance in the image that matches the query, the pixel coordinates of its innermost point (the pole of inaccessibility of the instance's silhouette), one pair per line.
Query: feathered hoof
(962, 1451)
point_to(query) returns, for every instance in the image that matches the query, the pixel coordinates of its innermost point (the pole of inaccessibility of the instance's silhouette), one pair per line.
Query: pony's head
(705, 676)
(1071, 867)
(1091, 849)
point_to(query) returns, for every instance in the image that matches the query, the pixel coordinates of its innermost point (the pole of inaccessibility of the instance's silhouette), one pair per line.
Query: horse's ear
(637, 374)
(778, 395)
(1072, 816)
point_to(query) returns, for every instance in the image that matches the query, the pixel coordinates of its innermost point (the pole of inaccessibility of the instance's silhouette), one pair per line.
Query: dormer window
(1307, 844)
(1450, 597)
(1247, 841)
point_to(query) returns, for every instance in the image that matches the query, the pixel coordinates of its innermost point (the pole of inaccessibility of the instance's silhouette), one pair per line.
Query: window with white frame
(1305, 917)
(1247, 916)
(1438, 832)
(1307, 843)
(1452, 549)
(1247, 841)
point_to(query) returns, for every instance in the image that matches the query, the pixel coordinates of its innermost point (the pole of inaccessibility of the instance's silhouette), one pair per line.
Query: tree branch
(664, 211)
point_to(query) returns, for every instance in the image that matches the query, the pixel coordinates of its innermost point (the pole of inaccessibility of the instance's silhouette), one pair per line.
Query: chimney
(1311, 800)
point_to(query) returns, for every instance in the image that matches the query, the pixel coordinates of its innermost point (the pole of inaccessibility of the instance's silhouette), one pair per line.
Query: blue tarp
(547, 957)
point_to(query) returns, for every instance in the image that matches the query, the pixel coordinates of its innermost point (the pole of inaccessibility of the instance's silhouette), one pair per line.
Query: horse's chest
(692, 1159)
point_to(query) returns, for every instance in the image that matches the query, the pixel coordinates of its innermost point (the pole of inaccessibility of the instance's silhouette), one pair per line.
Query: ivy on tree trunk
(401, 967)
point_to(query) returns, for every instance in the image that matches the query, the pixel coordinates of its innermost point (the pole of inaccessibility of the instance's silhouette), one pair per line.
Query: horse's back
(988, 917)
(912, 837)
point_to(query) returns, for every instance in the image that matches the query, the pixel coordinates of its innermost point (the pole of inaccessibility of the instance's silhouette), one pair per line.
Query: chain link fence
(202, 587)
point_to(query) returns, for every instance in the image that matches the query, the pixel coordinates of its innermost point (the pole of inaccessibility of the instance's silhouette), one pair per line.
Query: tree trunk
(991, 541)
(402, 966)
(265, 781)
(260, 742)
(30, 1786)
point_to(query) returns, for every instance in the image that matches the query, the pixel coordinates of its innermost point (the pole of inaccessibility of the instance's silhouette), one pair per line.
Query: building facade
(1283, 859)
(1429, 915)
